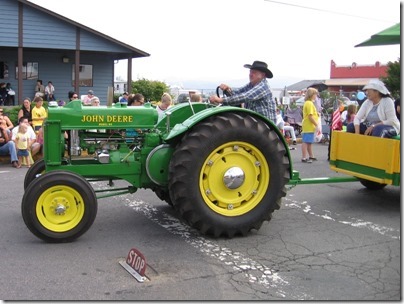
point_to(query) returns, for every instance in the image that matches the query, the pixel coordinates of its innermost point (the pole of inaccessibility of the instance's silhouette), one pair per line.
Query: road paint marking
(351, 221)
(255, 272)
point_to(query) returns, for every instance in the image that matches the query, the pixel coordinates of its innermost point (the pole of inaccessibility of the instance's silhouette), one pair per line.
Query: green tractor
(224, 169)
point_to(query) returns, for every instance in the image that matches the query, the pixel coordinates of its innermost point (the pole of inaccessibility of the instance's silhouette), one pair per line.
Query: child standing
(38, 114)
(22, 143)
(310, 125)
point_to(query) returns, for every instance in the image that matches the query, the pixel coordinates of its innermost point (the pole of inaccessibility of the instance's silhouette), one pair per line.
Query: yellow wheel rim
(239, 199)
(60, 208)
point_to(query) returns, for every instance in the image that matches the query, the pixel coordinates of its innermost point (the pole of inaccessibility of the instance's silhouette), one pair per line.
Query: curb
(289, 140)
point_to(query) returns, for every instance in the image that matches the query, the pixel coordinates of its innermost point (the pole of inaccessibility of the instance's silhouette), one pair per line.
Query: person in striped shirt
(256, 95)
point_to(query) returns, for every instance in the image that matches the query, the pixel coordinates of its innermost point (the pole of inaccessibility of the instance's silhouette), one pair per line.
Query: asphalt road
(327, 242)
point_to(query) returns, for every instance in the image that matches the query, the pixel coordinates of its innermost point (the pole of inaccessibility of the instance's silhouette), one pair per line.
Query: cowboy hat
(260, 66)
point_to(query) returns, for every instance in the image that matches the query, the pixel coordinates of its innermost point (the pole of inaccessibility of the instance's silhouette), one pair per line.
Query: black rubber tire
(163, 195)
(189, 161)
(38, 206)
(371, 185)
(37, 168)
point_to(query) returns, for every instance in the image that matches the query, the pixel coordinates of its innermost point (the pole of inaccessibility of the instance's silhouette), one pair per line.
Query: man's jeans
(9, 149)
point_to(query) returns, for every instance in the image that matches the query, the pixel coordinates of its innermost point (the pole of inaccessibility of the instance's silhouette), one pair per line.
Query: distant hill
(209, 86)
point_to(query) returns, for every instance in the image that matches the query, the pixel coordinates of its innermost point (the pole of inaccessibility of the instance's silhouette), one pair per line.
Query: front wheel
(228, 175)
(59, 206)
(35, 171)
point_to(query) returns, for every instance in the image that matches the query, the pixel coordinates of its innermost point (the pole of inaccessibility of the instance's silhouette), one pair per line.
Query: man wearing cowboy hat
(256, 95)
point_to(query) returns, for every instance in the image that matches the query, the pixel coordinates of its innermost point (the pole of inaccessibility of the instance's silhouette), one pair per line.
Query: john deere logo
(106, 118)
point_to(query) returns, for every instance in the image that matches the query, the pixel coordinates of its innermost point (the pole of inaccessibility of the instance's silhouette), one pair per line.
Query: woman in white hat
(377, 115)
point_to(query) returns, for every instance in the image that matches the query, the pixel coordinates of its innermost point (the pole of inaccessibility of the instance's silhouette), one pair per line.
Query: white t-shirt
(343, 115)
(161, 111)
(279, 121)
(30, 132)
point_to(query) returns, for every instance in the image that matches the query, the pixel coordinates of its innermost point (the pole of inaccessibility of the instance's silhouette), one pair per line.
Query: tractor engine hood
(76, 116)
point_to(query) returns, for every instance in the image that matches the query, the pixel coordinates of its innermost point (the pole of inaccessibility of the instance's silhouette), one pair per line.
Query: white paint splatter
(354, 222)
(254, 271)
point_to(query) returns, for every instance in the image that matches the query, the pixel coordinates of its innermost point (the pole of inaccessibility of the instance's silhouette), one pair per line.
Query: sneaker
(306, 160)
(294, 142)
(14, 164)
(312, 158)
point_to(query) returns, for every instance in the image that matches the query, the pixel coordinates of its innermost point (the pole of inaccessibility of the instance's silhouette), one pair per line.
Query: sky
(207, 42)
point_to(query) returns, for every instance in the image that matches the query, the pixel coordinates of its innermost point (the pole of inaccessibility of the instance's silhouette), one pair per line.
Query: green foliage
(150, 89)
(393, 79)
(12, 113)
(116, 97)
(325, 94)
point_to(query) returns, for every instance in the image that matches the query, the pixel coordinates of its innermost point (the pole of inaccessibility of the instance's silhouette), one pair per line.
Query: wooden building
(36, 43)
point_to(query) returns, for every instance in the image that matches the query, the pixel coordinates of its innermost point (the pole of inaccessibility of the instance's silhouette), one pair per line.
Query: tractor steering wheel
(224, 93)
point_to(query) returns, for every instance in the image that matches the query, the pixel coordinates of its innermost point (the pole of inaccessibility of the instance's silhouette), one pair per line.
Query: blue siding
(51, 67)
(48, 38)
(8, 23)
(89, 41)
(42, 31)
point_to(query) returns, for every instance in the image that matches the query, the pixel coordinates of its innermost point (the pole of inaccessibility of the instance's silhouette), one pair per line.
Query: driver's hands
(215, 99)
(225, 87)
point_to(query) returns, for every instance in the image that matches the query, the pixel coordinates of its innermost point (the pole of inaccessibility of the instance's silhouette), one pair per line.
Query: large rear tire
(59, 206)
(228, 175)
(163, 195)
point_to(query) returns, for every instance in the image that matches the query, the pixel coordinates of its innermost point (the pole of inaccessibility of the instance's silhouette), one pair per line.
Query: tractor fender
(180, 128)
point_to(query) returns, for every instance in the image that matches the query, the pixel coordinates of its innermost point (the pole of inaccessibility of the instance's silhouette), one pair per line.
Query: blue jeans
(9, 149)
(377, 131)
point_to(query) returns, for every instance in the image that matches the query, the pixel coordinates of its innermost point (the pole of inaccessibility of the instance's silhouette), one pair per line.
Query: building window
(3, 70)
(29, 70)
(85, 75)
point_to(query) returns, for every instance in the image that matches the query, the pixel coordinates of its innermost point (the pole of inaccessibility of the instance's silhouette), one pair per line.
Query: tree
(150, 89)
(392, 81)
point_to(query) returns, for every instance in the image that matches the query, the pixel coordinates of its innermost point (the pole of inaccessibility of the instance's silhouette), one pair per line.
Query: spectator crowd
(378, 114)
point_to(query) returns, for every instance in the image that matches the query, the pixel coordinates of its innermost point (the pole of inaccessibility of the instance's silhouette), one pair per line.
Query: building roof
(304, 84)
(358, 71)
(347, 82)
(131, 52)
